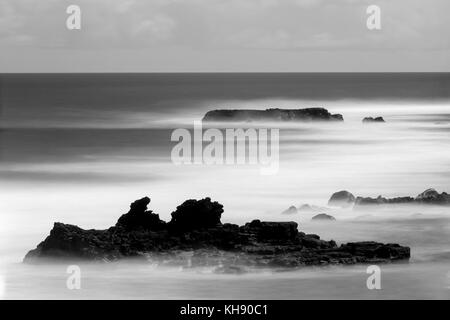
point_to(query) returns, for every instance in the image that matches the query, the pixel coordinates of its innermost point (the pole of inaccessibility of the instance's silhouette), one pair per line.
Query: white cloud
(221, 26)
(159, 27)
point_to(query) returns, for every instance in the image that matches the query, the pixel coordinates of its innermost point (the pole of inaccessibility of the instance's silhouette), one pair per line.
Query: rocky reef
(323, 217)
(268, 115)
(196, 230)
(428, 197)
(371, 119)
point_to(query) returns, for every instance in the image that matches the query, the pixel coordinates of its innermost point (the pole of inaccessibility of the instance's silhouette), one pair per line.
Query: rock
(361, 201)
(68, 241)
(370, 119)
(431, 196)
(341, 199)
(266, 231)
(245, 115)
(290, 210)
(428, 197)
(374, 250)
(323, 217)
(196, 214)
(139, 218)
(306, 208)
(196, 237)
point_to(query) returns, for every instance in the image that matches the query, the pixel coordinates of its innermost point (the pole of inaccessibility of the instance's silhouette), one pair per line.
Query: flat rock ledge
(195, 234)
(274, 114)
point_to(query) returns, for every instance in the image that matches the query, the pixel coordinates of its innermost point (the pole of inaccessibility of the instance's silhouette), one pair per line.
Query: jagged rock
(243, 115)
(361, 201)
(196, 237)
(374, 250)
(322, 217)
(196, 214)
(431, 196)
(139, 218)
(341, 199)
(271, 230)
(290, 210)
(370, 119)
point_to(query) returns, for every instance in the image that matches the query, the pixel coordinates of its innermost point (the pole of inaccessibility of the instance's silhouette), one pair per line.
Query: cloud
(159, 27)
(178, 28)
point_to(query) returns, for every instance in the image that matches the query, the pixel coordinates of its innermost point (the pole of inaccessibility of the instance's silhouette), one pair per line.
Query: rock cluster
(370, 119)
(245, 115)
(196, 229)
(429, 197)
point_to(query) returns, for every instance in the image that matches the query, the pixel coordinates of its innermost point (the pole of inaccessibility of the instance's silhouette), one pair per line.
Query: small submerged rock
(290, 210)
(345, 199)
(370, 119)
(196, 237)
(323, 217)
(306, 208)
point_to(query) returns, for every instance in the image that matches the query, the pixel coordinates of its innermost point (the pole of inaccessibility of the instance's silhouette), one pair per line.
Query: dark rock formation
(323, 217)
(430, 197)
(196, 237)
(245, 115)
(193, 214)
(139, 218)
(267, 231)
(361, 201)
(370, 119)
(290, 210)
(341, 199)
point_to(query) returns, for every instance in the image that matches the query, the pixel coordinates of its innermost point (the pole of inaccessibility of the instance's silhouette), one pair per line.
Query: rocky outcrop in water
(428, 197)
(306, 208)
(371, 120)
(341, 199)
(268, 115)
(363, 201)
(196, 231)
(323, 217)
(431, 196)
(290, 210)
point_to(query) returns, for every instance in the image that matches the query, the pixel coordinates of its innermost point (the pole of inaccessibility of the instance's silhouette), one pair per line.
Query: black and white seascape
(155, 164)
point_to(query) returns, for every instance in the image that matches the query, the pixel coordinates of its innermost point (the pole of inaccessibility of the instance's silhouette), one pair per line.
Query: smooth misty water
(79, 149)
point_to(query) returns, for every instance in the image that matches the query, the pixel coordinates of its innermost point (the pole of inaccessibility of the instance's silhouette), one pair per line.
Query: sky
(224, 36)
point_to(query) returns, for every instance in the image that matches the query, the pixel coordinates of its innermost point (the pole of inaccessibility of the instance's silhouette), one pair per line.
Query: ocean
(79, 148)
